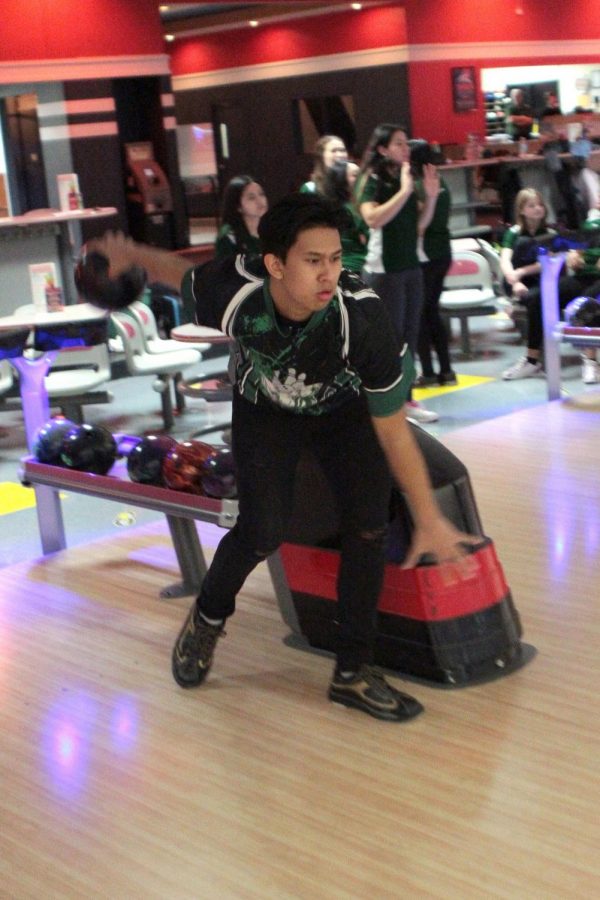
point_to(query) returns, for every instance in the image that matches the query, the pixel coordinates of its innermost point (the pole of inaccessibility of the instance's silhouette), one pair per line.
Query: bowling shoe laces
(194, 649)
(368, 691)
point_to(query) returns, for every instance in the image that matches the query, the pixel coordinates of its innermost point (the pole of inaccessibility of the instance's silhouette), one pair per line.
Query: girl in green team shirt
(436, 258)
(244, 204)
(328, 150)
(337, 187)
(387, 201)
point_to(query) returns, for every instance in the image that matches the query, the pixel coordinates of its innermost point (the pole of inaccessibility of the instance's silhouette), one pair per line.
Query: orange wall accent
(64, 29)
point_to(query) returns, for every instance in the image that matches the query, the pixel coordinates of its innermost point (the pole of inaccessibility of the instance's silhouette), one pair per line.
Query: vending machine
(149, 197)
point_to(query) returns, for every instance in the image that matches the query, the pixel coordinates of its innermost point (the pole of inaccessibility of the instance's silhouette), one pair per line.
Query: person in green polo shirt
(328, 150)
(387, 201)
(337, 187)
(244, 204)
(436, 258)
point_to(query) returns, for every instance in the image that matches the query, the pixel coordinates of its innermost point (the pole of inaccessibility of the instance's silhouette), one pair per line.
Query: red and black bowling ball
(184, 466)
(219, 478)
(145, 460)
(49, 439)
(89, 448)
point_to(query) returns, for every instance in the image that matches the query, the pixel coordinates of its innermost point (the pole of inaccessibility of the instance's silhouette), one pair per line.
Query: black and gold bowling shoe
(368, 691)
(194, 649)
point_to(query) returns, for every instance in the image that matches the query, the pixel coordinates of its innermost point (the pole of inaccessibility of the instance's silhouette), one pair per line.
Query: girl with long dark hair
(244, 204)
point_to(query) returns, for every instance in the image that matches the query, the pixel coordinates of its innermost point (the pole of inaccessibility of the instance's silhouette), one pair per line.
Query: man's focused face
(307, 280)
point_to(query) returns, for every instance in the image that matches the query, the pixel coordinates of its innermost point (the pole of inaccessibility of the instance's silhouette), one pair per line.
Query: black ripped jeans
(267, 444)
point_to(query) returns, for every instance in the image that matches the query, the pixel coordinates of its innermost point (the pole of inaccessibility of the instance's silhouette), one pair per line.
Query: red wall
(427, 28)
(55, 29)
(297, 39)
(445, 22)
(450, 21)
(63, 29)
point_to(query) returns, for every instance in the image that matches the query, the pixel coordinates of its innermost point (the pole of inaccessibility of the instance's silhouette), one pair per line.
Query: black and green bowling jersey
(345, 349)
(230, 243)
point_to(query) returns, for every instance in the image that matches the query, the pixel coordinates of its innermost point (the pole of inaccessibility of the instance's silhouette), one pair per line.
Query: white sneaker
(419, 414)
(590, 371)
(503, 322)
(522, 369)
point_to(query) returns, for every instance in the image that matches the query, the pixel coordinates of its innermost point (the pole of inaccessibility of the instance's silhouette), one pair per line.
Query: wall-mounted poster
(464, 91)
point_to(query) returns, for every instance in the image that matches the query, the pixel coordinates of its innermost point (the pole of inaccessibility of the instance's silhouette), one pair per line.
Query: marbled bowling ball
(219, 478)
(89, 448)
(145, 460)
(49, 440)
(184, 465)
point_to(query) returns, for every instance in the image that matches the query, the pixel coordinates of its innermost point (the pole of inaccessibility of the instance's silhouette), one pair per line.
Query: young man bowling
(316, 363)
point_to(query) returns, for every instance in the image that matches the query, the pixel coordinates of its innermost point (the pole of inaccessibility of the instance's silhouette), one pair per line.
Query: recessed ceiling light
(169, 37)
(356, 6)
(253, 23)
(164, 7)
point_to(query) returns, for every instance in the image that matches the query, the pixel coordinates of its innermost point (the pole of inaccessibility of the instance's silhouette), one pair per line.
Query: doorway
(24, 161)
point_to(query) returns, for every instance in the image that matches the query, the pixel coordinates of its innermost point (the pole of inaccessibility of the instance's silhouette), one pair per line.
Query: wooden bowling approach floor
(118, 784)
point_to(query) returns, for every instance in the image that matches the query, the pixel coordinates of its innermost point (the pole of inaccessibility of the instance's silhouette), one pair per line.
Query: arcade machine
(149, 198)
(451, 633)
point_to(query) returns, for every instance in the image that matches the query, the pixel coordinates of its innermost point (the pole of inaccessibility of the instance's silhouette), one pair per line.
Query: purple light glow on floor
(75, 724)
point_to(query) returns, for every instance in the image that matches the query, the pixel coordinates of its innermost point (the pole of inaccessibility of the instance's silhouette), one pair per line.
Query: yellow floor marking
(15, 497)
(464, 381)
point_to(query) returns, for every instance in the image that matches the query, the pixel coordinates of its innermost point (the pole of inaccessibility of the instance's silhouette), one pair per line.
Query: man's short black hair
(279, 228)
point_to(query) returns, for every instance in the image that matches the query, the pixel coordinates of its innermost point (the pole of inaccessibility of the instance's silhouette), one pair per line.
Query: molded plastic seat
(153, 341)
(167, 367)
(468, 291)
(86, 369)
(80, 368)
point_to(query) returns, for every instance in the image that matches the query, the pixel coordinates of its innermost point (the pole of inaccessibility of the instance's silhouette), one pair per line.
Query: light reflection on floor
(73, 726)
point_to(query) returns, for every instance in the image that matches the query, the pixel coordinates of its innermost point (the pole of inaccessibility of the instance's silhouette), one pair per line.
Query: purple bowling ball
(49, 440)
(219, 475)
(145, 460)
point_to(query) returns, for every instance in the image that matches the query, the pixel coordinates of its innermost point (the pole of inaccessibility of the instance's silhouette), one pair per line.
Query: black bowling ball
(49, 440)
(145, 460)
(583, 312)
(89, 448)
(94, 284)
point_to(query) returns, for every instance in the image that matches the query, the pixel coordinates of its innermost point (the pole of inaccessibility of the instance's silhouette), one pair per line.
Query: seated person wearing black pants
(521, 271)
(316, 362)
(585, 267)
